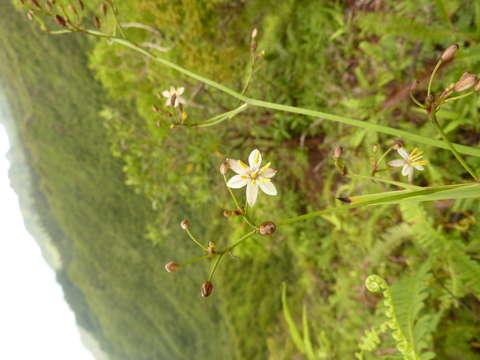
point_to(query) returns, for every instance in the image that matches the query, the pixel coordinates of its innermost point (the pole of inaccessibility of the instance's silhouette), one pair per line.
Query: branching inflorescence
(70, 19)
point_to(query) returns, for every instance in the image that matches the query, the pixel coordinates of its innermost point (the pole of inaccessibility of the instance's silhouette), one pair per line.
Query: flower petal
(268, 173)
(418, 167)
(172, 90)
(177, 102)
(403, 153)
(255, 159)
(166, 93)
(267, 187)
(168, 102)
(181, 100)
(238, 166)
(252, 193)
(397, 163)
(237, 181)
(180, 91)
(406, 170)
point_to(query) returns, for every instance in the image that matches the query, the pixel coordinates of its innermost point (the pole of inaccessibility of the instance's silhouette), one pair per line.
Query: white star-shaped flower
(409, 162)
(253, 176)
(174, 97)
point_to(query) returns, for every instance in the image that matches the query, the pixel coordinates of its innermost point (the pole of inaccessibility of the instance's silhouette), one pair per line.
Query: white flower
(253, 176)
(409, 162)
(173, 96)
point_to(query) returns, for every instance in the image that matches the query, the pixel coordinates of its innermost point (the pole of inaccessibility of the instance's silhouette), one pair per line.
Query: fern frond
(468, 270)
(403, 302)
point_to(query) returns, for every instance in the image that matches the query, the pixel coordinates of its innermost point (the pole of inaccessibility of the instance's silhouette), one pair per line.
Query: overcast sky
(35, 321)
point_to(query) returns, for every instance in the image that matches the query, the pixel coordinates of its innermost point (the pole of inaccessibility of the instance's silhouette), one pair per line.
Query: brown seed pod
(467, 81)
(172, 266)
(104, 9)
(267, 228)
(96, 22)
(60, 20)
(449, 52)
(207, 289)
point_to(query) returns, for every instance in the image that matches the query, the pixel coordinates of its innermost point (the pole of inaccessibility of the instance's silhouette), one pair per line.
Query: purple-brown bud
(398, 144)
(337, 153)
(224, 167)
(97, 23)
(467, 81)
(207, 288)
(449, 52)
(104, 9)
(171, 266)
(60, 20)
(185, 224)
(267, 228)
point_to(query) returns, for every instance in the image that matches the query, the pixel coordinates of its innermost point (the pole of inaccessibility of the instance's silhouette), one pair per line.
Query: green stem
(197, 259)
(195, 240)
(215, 265)
(435, 69)
(459, 97)
(239, 241)
(433, 117)
(386, 181)
(285, 108)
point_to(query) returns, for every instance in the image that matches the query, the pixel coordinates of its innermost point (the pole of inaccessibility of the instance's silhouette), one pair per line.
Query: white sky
(35, 320)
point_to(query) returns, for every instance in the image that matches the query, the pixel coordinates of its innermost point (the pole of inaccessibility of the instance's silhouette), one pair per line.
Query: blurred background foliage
(77, 102)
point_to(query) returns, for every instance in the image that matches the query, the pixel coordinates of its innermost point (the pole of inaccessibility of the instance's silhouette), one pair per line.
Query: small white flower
(174, 96)
(409, 162)
(253, 176)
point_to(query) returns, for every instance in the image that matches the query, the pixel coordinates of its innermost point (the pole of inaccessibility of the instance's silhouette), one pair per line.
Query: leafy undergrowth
(355, 59)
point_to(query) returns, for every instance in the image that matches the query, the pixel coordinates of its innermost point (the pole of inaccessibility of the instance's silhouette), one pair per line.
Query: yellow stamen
(419, 162)
(265, 167)
(242, 164)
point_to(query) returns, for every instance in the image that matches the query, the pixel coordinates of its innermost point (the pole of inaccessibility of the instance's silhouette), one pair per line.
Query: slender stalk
(386, 181)
(467, 150)
(195, 240)
(459, 97)
(435, 69)
(200, 258)
(239, 241)
(433, 117)
(215, 265)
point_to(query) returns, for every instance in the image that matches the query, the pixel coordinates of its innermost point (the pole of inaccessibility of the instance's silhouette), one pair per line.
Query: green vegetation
(355, 58)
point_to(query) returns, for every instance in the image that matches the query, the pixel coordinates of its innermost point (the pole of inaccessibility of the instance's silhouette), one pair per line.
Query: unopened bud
(171, 266)
(72, 9)
(185, 224)
(466, 82)
(36, 3)
(398, 144)
(238, 212)
(104, 9)
(227, 213)
(224, 167)
(207, 288)
(96, 22)
(211, 247)
(346, 200)
(30, 15)
(60, 20)
(254, 33)
(337, 153)
(449, 52)
(267, 228)
(155, 108)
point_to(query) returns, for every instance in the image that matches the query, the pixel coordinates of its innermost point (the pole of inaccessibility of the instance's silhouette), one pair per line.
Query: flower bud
(211, 247)
(466, 82)
(267, 228)
(398, 145)
(171, 266)
(60, 20)
(254, 33)
(104, 9)
(227, 213)
(97, 23)
(337, 152)
(346, 200)
(185, 224)
(449, 52)
(207, 288)
(30, 15)
(224, 167)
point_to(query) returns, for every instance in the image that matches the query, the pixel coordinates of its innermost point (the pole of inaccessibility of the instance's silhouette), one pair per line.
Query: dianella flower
(253, 176)
(409, 162)
(174, 97)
